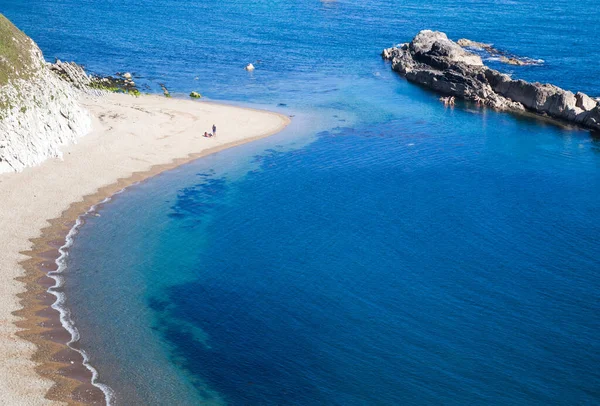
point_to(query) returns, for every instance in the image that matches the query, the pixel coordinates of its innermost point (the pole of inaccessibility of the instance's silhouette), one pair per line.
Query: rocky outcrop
(72, 73)
(438, 63)
(39, 111)
(502, 56)
(94, 85)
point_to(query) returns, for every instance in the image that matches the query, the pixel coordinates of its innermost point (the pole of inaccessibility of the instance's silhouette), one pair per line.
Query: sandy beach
(132, 139)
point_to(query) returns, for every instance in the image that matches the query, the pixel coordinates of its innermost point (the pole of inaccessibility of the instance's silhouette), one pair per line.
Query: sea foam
(65, 313)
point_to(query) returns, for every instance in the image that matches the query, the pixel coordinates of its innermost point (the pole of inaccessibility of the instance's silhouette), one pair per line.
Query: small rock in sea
(282, 105)
(127, 75)
(195, 95)
(165, 90)
(513, 61)
(249, 67)
(448, 101)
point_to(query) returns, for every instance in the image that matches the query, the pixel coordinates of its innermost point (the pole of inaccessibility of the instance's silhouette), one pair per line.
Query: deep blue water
(381, 250)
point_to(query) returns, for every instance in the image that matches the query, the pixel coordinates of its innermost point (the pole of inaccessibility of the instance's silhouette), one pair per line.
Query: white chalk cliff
(39, 112)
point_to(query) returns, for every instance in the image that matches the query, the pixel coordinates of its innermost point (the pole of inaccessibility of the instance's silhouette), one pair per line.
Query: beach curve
(133, 139)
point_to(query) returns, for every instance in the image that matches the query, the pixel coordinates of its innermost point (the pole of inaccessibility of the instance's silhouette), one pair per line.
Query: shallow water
(382, 250)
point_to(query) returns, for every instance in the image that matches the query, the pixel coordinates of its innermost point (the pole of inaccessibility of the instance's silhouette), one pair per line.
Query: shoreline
(58, 370)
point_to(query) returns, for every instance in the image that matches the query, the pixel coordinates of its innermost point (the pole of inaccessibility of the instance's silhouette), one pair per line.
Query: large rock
(434, 46)
(39, 111)
(584, 101)
(438, 63)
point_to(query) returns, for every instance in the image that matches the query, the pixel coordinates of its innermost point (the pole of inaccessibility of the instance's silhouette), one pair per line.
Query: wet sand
(133, 139)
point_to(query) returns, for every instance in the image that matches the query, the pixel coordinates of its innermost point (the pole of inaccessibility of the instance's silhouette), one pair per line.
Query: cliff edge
(39, 112)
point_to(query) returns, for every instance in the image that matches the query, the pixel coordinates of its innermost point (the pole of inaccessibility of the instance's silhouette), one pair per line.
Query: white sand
(130, 135)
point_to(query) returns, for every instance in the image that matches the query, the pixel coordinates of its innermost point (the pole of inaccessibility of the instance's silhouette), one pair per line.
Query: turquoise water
(381, 250)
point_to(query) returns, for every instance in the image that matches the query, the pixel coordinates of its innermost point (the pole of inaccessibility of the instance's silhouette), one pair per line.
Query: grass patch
(15, 53)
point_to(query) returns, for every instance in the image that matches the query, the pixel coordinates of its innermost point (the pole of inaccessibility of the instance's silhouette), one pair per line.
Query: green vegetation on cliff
(15, 52)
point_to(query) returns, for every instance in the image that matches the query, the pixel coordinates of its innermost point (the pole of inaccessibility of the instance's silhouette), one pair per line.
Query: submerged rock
(513, 61)
(440, 64)
(467, 43)
(502, 56)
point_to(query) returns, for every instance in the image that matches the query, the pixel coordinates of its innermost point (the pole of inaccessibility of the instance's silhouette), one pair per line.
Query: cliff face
(436, 62)
(39, 112)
